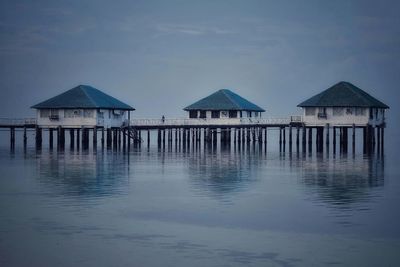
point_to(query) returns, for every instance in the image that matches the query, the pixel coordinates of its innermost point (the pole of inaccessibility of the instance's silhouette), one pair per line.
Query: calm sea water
(198, 208)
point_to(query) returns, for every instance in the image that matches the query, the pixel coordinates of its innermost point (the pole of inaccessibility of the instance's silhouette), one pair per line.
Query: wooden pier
(293, 133)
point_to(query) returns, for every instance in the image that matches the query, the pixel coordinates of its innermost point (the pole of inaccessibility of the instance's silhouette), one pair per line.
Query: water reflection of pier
(344, 182)
(218, 173)
(85, 175)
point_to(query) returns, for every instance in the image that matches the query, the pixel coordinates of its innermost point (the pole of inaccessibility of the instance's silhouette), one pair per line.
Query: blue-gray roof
(224, 99)
(83, 96)
(343, 94)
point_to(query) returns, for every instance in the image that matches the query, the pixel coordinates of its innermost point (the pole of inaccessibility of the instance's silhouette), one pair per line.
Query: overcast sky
(160, 56)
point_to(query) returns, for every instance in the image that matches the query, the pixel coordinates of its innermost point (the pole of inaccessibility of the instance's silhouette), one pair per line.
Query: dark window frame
(193, 114)
(203, 114)
(215, 114)
(233, 114)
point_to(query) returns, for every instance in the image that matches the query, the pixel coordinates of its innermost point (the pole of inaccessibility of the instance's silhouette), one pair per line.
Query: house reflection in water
(219, 174)
(344, 183)
(83, 175)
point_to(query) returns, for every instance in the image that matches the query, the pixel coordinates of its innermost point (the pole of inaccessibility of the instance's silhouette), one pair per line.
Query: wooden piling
(12, 137)
(327, 141)
(215, 135)
(364, 140)
(163, 137)
(51, 138)
(71, 138)
(353, 139)
(102, 136)
(148, 138)
(94, 137)
(265, 138)
(373, 138)
(78, 137)
(129, 138)
(284, 138)
(38, 137)
(109, 141)
(123, 130)
(378, 129)
(159, 137)
(345, 139)
(321, 139)
(115, 138)
(334, 139)
(62, 137)
(25, 137)
(176, 135)
(183, 137)
(85, 136)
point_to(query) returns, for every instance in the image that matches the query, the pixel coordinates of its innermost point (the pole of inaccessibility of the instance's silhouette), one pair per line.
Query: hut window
(88, 113)
(193, 114)
(337, 111)
(241, 114)
(360, 111)
(371, 114)
(256, 113)
(215, 114)
(349, 111)
(224, 114)
(376, 113)
(203, 114)
(232, 114)
(44, 113)
(322, 113)
(249, 114)
(310, 111)
(72, 113)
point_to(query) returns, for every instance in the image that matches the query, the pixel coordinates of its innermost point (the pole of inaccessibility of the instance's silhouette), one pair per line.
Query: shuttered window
(310, 111)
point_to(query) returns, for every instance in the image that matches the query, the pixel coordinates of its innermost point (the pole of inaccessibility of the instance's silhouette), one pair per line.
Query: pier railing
(178, 122)
(17, 122)
(210, 122)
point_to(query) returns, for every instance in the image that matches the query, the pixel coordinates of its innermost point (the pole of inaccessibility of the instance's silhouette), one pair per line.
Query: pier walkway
(292, 129)
(216, 123)
(174, 122)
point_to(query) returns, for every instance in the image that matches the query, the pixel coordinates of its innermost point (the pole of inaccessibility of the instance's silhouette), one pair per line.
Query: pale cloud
(167, 29)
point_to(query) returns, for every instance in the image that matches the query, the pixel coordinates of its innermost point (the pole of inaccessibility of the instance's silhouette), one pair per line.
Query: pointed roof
(83, 96)
(224, 99)
(343, 94)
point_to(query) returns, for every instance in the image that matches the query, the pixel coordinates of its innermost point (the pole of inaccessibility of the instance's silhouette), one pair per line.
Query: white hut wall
(346, 116)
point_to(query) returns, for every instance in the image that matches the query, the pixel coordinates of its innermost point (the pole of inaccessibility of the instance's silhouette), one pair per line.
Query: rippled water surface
(151, 207)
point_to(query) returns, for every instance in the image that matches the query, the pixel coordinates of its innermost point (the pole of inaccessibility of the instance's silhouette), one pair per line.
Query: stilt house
(343, 104)
(223, 104)
(82, 106)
